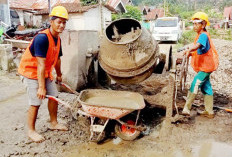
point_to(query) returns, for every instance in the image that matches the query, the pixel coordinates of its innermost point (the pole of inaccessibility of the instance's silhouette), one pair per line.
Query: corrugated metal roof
(126, 2)
(113, 3)
(154, 13)
(37, 4)
(73, 8)
(21, 4)
(228, 12)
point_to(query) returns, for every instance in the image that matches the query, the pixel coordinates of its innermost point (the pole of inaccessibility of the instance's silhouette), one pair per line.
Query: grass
(220, 34)
(189, 35)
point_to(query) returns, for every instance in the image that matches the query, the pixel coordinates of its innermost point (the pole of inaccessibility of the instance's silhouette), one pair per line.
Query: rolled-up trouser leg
(198, 82)
(201, 80)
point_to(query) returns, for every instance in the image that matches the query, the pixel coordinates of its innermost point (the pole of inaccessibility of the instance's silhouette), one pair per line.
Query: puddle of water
(117, 140)
(123, 148)
(212, 149)
(129, 148)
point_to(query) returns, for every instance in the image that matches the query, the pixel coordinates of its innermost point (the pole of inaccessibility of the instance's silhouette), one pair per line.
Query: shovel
(215, 107)
(223, 108)
(65, 104)
(68, 88)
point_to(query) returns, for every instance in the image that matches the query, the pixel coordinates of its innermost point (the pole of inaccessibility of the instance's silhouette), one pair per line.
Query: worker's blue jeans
(202, 81)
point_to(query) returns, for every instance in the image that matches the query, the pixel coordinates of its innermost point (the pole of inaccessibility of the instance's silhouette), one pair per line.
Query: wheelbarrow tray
(110, 104)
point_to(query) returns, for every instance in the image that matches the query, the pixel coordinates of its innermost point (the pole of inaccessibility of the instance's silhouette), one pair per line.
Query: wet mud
(195, 137)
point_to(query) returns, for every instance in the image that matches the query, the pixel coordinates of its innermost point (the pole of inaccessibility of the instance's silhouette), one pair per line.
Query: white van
(167, 29)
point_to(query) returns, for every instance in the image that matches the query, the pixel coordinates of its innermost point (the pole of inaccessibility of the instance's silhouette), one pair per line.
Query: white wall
(37, 21)
(75, 22)
(92, 19)
(21, 18)
(88, 20)
(28, 19)
(5, 12)
(75, 45)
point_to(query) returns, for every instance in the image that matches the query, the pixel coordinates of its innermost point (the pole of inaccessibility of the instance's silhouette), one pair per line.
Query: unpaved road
(195, 137)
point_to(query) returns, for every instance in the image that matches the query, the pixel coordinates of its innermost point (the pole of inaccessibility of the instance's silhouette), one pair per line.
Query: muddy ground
(195, 137)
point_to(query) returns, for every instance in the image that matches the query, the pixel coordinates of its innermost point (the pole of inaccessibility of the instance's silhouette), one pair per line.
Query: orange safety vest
(207, 62)
(28, 64)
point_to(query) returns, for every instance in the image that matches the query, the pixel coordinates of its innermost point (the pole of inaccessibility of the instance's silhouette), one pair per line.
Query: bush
(213, 32)
(115, 17)
(187, 37)
(132, 12)
(89, 2)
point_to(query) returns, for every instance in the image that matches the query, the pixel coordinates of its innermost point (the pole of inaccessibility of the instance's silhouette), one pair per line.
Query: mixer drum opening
(121, 27)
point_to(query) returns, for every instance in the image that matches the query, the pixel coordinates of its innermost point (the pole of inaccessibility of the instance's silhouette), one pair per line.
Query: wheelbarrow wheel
(126, 133)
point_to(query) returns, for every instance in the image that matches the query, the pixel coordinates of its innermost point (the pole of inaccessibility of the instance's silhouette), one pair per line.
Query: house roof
(115, 3)
(228, 12)
(144, 8)
(36, 4)
(20, 4)
(73, 8)
(127, 2)
(154, 13)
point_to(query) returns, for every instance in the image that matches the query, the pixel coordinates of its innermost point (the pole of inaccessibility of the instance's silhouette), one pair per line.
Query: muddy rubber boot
(208, 101)
(190, 98)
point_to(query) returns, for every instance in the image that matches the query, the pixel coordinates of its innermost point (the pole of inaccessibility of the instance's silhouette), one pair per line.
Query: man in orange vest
(38, 61)
(204, 61)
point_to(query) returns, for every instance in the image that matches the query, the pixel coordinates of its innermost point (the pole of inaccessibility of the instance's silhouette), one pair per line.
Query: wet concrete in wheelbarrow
(195, 137)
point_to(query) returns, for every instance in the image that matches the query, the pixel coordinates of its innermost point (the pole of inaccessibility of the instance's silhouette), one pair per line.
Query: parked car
(167, 29)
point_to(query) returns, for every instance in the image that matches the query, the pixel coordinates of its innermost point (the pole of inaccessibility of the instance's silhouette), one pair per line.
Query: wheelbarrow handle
(65, 104)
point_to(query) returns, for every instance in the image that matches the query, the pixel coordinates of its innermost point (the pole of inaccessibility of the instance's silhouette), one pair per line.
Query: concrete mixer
(130, 56)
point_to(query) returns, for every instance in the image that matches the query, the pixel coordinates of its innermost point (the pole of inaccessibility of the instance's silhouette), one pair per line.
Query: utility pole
(164, 7)
(8, 8)
(195, 4)
(188, 3)
(49, 6)
(101, 16)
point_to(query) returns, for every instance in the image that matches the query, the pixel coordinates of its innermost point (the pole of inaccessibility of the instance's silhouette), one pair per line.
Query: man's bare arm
(41, 77)
(58, 70)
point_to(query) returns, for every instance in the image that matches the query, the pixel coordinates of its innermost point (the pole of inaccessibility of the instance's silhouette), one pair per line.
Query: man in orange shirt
(38, 61)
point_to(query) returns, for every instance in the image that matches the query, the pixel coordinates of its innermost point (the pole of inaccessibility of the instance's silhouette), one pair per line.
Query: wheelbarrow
(110, 104)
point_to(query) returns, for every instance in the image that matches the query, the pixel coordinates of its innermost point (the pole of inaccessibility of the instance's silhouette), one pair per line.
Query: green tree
(132, 12)
(89, 2)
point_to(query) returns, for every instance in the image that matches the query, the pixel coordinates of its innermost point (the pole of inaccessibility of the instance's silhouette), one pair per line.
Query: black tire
(124, 136)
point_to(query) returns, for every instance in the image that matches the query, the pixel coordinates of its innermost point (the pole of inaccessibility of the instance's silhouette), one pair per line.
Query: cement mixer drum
(128, 52)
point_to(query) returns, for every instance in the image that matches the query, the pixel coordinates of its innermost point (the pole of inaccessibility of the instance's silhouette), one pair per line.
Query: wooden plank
(17, 43)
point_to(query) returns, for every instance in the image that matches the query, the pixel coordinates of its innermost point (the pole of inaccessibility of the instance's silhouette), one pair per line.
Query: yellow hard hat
(201, 16)
(59, 11)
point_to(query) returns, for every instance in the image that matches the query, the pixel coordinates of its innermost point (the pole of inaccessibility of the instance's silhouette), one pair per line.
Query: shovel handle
(228, 110)
(65, 104)
(69, 88)
(223, 108)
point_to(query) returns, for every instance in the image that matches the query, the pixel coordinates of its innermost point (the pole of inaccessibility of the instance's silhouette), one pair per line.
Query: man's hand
(58, 79)
(187, 53)
(41, 93)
